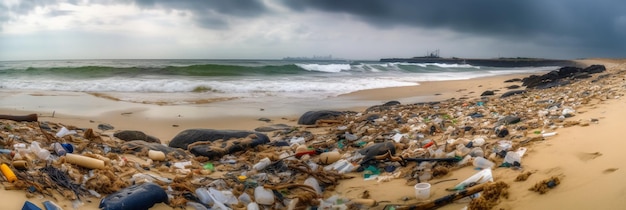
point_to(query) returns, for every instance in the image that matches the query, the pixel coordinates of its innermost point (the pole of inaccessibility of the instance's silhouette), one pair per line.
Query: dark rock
(476, 115)
(385, 106)
(372, 117)
(279, 143)
(189, 136)
(508, 120)
(502, 132)
(142, 196)
(581, 75)
(556, 78)
(511, 93)
(264, 119)
(593, 69)
(105, 127)
(391, 103)
(218, 142)
(275, 127)
(568, 71)
(551, 85)
(553, 76)
(377, 149)
(310, 117)
(142, 146)
(487, 93)
(513, 87)
(45, 126)
(513, 80)
(601, 77)
(129, 135)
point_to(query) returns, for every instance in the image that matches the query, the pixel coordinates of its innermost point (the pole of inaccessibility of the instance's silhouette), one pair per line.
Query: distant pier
(494, 62)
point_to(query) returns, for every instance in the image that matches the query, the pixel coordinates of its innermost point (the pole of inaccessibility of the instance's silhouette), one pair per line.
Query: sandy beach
(588, 159)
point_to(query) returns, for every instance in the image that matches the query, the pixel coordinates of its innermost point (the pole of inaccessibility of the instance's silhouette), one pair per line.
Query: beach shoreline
(87, 110)
(165, 121)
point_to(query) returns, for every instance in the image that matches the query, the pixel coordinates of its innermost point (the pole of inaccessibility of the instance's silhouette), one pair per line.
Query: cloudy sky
(272, 29)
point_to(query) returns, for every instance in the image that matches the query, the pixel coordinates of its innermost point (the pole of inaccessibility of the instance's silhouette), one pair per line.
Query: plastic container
(244, 198)
(49, 205)
(252, 206)
(20, 164)
(512, 157)
(479, 141)
(8, 173)
(422, 191)
(481, 162)
(141, 196)
(68, 147)
(311, 181)
(36, 149)
(64, 131)
(263, 196)
(30, 206)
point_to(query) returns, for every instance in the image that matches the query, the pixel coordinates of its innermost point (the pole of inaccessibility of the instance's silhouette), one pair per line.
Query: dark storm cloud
(210, 13)
(591, 25)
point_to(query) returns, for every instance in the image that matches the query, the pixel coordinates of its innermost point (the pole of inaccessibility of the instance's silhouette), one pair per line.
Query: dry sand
(591, 160)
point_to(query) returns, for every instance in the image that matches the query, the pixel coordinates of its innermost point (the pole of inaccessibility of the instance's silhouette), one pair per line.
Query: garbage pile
(295, 167)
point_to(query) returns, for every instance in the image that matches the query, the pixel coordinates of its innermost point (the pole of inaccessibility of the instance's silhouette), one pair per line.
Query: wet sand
(590, 159)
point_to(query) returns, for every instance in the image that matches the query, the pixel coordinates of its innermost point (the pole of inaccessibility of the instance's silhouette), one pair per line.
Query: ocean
(162, 80)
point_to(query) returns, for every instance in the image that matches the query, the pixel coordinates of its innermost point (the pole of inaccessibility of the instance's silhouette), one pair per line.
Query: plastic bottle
(8, 173)
(262, 164)
(311, 181)
(343, 166)
(548, 134)
(244, 198)
(196, 206)
(203, 196)
(58, 149)
(350, 137)
(512, 157)
(477, 152)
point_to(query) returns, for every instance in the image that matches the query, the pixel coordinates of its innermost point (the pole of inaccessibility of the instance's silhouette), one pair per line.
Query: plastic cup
(422, 191)
(481, 162)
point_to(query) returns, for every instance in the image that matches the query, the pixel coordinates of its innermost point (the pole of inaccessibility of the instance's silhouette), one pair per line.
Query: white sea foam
(287, 87)
(333, 68)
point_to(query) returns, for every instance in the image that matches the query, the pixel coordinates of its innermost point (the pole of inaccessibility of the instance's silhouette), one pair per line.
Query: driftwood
(439, 202)
(20, 118)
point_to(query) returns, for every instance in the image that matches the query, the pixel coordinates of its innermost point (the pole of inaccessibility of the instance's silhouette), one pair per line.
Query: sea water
(248, 81)
(233, 78)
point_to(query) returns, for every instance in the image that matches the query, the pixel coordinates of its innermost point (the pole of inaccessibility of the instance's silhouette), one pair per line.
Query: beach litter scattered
(300, 166)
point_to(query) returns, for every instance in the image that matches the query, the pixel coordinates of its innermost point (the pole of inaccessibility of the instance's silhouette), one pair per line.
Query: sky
(273, 29)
